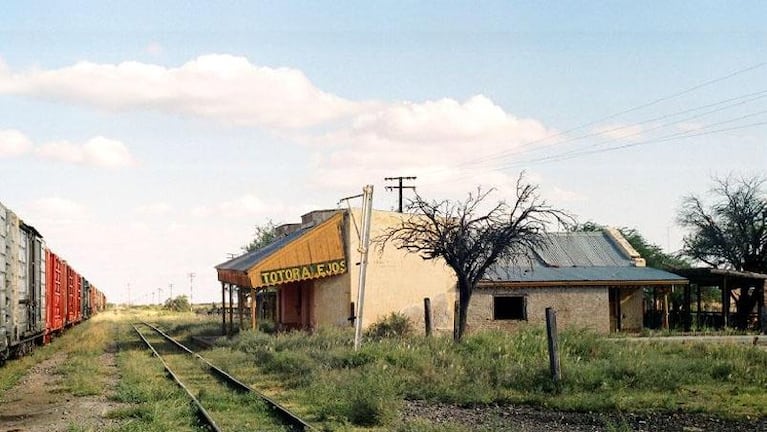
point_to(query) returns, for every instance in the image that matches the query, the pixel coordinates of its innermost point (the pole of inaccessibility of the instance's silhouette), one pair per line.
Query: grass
(365, 388)
(321, 378)
(151, 401)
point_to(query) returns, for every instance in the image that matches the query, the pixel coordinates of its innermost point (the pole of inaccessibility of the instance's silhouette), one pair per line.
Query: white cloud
(443, 142)
(55, 211)
(13, 143)
(98, 151)
(223, 87)
(557, 194)
(153, 209)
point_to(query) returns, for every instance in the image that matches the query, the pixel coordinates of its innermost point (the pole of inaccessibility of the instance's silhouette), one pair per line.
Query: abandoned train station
(308, 278)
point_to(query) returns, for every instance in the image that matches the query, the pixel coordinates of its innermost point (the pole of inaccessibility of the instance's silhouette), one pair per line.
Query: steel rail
(201, 411)
(288, 417)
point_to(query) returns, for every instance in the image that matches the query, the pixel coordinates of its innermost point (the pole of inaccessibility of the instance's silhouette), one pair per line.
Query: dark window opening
(510, 308)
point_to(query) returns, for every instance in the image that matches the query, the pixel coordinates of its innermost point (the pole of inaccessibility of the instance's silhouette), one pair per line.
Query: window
(510, 308)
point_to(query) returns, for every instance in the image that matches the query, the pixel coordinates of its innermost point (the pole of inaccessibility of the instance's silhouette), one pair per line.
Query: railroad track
(223, 402)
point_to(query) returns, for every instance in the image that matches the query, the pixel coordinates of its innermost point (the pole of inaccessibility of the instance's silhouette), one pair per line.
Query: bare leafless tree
(731, 232)
(470, 242)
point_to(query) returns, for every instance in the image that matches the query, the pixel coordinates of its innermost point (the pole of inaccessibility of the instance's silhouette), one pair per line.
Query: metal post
(551, 333)
(427, 315)
(367, 210)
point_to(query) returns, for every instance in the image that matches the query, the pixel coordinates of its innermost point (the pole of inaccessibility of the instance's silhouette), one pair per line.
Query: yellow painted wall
(332, 296)
(398, 281)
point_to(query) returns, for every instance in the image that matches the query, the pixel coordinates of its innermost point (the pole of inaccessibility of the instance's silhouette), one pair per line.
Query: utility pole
(191, 284)
(400, 187)
(170, 286)
(367, 210)
(159, 296)
(128, 295)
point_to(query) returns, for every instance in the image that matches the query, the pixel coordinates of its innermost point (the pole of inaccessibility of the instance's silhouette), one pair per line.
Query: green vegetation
(177, 304)
(151, 401)
(322, 378)
(326, 379)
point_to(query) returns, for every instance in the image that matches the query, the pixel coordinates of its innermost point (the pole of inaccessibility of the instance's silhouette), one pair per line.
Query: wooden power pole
(400, 187)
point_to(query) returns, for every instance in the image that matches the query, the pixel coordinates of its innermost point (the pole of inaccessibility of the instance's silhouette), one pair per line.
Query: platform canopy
(310, 252)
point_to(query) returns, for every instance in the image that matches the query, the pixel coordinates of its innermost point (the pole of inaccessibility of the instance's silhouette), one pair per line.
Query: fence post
(551, 332)
(456, 311)
(427, 315)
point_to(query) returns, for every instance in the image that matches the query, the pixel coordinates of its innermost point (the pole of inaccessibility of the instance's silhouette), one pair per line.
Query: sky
(146, 140)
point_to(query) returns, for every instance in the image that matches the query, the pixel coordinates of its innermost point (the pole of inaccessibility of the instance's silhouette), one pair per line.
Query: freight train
(41, 294)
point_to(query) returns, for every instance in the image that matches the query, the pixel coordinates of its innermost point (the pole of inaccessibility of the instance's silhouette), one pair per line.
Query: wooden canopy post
(223, 307)
(253, 308)
(240, 308)
(725, 303)
(698, 312)
(231, 310)
(686, 307)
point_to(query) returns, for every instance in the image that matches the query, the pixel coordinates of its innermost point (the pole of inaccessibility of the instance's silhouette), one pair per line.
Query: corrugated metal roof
(582, 249)
(244, 262)
(578, 257)
(579, 274)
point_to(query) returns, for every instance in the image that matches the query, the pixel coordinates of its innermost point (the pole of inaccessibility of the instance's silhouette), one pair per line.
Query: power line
(722, 105)
(656, 101)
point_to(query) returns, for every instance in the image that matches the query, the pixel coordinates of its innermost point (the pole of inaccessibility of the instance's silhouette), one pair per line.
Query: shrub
(395, 325)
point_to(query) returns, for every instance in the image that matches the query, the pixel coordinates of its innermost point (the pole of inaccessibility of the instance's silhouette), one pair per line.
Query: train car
(85, 299)
(100, 301)
(40, 294)
(22, 297)
(55, 295)
(73, 294)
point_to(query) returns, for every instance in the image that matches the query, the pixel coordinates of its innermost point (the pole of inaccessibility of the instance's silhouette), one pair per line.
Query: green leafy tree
(729, 232)
(264, 235)
(178, 304)
(469, 240)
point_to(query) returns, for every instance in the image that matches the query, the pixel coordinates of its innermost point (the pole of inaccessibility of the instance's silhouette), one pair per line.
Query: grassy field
(324, 380)
(327, 381)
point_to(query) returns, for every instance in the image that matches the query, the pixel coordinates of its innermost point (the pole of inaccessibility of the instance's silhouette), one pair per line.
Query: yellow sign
(303, 272)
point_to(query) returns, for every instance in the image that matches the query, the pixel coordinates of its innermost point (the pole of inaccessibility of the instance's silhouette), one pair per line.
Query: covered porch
(277, 282)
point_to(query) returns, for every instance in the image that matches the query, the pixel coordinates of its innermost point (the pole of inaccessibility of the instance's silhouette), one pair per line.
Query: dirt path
(516, 418)
(39, 403)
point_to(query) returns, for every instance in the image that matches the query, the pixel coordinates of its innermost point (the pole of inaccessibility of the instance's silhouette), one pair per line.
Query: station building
(308, 278)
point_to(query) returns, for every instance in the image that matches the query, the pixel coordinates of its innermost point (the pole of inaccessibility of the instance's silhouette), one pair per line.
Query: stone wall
(577, 307)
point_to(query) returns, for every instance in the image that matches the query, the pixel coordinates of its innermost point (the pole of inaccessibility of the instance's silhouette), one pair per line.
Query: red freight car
(55, 295)
(73, 294)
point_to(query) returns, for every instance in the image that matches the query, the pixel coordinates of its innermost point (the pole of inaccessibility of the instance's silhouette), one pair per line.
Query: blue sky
(146, 139)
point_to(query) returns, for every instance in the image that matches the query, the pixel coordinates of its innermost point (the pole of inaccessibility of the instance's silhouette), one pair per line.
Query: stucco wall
(332, 297)
(577, 307)
(398, 281)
